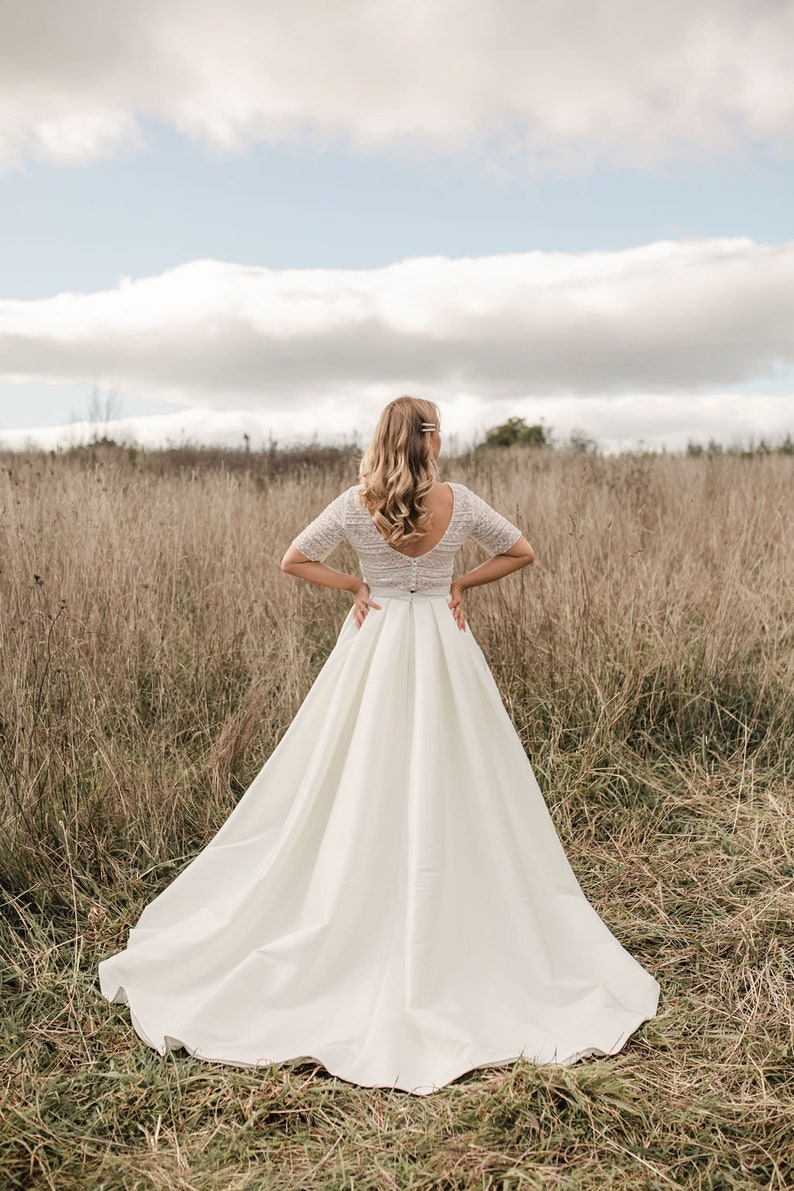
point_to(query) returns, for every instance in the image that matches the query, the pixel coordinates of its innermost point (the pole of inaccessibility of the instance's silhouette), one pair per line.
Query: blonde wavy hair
(398, 469)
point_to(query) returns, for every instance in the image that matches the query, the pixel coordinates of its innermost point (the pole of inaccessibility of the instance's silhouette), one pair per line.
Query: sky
(269, 220)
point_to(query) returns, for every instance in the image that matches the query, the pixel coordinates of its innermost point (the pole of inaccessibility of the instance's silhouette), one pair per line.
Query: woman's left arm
(318, 540)
(295, 563)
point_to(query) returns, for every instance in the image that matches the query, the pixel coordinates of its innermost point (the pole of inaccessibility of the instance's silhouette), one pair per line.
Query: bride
(389, 897)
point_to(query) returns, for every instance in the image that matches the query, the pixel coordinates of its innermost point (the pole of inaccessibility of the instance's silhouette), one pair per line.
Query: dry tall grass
(152, 655)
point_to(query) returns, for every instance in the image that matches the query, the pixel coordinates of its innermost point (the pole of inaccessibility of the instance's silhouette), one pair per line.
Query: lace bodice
(345, 518)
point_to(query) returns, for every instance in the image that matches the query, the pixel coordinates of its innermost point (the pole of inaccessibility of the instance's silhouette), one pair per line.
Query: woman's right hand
(456, 604)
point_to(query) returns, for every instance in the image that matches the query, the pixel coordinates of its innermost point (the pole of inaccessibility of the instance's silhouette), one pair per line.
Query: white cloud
(669, 316)
(645, 421)
(545, 85)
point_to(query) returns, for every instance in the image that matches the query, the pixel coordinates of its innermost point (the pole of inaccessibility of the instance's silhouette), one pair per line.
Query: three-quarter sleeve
(489, 528)
(327, 530)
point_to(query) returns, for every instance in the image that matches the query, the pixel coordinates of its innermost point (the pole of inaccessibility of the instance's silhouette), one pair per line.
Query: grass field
(152, 654)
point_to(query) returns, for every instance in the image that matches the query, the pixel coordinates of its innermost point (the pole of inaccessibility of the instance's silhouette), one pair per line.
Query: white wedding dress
(389, 897)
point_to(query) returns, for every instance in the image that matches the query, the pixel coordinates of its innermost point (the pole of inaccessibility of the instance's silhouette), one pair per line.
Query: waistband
(401, 593)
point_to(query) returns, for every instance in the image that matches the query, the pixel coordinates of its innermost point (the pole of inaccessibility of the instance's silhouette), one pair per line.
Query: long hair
(398, 468)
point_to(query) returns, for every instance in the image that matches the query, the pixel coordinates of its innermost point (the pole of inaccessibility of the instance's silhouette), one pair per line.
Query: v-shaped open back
(424, 554)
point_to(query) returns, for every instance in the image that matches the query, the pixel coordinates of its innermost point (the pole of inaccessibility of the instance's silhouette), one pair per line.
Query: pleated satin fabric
(389, 897)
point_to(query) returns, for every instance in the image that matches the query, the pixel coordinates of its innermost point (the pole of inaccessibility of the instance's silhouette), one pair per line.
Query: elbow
(523, 552)
(293, 559)
(526, 557)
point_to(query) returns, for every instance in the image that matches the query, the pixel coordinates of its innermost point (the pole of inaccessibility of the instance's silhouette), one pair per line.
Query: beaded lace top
(346, 519)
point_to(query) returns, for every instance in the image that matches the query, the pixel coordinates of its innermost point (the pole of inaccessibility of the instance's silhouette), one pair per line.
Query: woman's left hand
(362, 603)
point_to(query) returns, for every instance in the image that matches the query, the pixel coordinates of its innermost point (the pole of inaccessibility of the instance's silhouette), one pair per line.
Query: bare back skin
(440, 503)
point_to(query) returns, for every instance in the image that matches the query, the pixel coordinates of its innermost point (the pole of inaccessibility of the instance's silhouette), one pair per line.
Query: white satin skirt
(389, 897)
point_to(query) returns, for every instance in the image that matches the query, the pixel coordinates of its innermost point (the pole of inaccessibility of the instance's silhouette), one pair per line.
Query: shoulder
(486, 519)
(472, 498)
(344, 497)
(336, 509)
(351, 494)
(464, 497)
(348, 501)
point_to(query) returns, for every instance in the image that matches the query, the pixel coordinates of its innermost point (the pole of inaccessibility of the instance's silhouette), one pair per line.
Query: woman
(389, 897)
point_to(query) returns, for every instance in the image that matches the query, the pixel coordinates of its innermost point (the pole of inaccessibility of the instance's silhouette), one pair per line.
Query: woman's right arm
(519, 555)
(511, 552)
